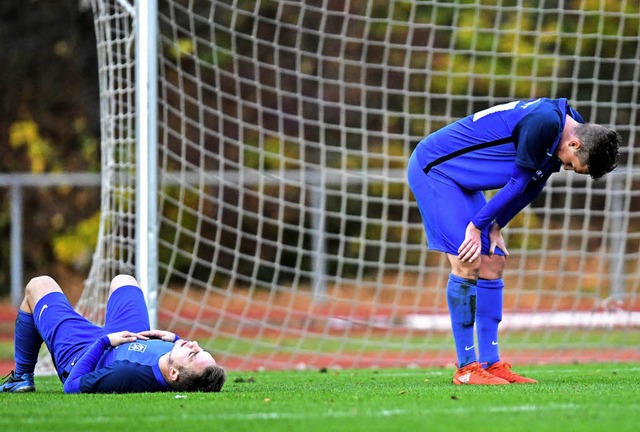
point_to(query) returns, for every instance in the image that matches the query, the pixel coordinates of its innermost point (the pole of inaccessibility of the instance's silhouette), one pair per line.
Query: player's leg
(46, 311)
(488, 317)
(489, 307)
(446, 211)
(27, 340)
(65, 332)
(126, 307)
(461, 301)
(122, 280)
(443, 208)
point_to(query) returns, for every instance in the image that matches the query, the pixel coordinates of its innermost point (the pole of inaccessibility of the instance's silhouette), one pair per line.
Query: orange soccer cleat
(503, 370)
(473, 374)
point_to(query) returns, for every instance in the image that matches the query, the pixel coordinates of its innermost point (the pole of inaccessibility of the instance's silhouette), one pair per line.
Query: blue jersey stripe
(467, 150)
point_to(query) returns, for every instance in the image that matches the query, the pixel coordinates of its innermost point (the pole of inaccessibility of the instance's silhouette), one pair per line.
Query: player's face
(568, 155)
(190, 355)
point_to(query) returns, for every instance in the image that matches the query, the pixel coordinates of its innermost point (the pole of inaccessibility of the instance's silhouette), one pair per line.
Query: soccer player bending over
(513, 147)
(124, 356)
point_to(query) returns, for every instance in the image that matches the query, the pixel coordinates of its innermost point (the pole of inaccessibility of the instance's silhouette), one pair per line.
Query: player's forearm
(506, 199)
(531, 192)
(86, 364)
(164, 335)
(496, 205)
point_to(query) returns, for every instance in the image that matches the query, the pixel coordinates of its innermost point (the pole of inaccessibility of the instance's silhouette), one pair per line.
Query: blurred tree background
(50, 119)
(49, 122)
(299, 80)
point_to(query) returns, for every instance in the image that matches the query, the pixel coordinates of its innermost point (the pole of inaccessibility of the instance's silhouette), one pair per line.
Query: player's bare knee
(122, 280)
(37, 288)
(492, 266)
(465, 269)
(40, 284)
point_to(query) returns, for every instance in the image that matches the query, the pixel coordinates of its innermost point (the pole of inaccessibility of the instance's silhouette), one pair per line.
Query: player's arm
(120, 377)
(530, 193)
(519, 192)
(506, 200)
(86, 364)
(164, 335)
(89, 360)
(534, 137)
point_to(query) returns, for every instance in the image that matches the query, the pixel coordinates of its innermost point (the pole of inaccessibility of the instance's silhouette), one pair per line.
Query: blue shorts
(67, 333)
(446, 209)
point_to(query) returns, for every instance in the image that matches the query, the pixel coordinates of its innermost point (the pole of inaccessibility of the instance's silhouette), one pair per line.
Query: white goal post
(268, 182)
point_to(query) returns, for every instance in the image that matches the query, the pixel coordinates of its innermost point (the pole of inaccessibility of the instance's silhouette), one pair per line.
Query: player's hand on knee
(471, 247)
(497, 241)
(123, 337)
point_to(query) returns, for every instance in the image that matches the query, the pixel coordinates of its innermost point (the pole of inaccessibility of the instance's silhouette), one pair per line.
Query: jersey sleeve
(121, 377)
(508, 200)
(530, 193)
(86, 364)
(535, 135)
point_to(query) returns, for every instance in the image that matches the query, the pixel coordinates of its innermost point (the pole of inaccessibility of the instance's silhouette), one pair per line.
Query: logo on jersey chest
(138, 347)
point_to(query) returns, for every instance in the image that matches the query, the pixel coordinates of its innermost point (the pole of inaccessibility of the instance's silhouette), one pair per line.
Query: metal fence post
(16, 245)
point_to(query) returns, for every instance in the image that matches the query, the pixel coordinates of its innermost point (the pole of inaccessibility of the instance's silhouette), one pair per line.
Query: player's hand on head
(471, 247)
(122, 337)
(164, 335)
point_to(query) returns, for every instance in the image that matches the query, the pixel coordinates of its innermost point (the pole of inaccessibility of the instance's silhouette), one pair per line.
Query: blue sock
(488, 317)
(27, 342)
(461, 298)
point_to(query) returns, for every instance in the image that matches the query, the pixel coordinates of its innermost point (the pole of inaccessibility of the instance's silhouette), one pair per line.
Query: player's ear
(174, 374)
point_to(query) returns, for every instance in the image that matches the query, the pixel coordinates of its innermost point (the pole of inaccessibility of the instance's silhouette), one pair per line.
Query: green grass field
(596, 397)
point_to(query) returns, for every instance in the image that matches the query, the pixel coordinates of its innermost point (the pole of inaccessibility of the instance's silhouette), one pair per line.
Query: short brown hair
(599, 149)
(210, 379)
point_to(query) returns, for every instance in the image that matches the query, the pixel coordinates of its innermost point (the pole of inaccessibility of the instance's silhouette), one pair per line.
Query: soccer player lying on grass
(513, 147)
(124, 356)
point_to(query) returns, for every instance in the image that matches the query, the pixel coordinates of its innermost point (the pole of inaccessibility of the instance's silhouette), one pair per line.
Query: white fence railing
(16, 183)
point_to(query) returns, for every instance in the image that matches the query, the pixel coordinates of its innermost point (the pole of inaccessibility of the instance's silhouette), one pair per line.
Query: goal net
(287, 234)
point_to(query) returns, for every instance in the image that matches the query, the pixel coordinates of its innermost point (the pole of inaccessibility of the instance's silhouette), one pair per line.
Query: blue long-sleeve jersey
(511, 147)
(130, 367)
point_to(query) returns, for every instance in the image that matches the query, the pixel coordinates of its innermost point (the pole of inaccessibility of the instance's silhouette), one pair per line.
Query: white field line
(428, 372)
(328, 414)
(541, 320)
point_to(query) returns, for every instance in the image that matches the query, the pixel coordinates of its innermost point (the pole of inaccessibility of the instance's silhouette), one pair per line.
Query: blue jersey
(511, 147)
(478, 152)
(130, 367)
(82, 353)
